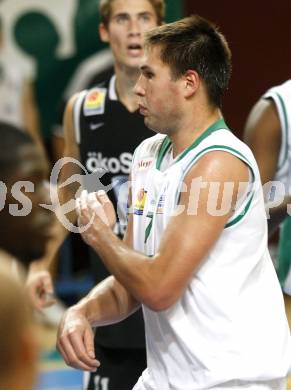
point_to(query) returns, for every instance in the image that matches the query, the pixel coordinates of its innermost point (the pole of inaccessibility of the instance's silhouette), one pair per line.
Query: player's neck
(191, 128)
(125, 82)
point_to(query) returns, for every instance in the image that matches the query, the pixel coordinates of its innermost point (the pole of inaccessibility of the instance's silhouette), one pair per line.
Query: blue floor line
(64, 379)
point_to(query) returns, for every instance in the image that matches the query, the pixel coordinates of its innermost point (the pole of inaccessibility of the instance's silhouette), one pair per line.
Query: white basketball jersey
(230, 323)
(281, 95)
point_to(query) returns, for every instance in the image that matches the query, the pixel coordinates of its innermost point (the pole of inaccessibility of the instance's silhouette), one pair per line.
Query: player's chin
(151, 125)
(133, 63)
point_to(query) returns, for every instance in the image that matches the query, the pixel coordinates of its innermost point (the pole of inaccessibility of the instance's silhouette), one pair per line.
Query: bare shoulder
(219, 165)
(263, 135)
(262, 120)
(71, 145)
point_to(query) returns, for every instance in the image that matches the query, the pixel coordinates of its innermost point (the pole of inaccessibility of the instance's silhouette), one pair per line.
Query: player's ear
(191, 81)
(103, 32)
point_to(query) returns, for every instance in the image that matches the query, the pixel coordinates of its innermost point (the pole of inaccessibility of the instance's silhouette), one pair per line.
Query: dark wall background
(259, 35)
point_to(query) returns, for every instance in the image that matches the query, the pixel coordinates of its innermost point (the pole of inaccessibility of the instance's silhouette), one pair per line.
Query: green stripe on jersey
(218, 147)
(163, 150)
(218, 125)
(241, 215)
(149, 227)
(284, 110)
(234, 152)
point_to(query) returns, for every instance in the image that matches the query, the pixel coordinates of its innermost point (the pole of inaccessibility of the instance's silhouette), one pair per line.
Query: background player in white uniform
(201, 271)
(268, 133)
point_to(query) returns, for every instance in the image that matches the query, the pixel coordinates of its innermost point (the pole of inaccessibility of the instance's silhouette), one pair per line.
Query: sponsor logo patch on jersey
(144, 164)
(161, 204)
(115, 165)
(95, 102)
(140, 202)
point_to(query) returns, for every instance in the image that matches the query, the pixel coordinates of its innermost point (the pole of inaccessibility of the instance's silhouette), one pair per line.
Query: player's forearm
(66, 194)
(145, 279)
(107, 303)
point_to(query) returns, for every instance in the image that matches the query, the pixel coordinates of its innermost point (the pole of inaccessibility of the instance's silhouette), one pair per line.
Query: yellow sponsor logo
(140, 202)
(95, 102)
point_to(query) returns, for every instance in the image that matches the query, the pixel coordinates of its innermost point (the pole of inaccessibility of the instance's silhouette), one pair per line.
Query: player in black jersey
(102, 129)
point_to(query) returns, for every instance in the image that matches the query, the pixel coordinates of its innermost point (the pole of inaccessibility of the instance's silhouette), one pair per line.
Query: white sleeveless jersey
(230, 323)
(281, 95)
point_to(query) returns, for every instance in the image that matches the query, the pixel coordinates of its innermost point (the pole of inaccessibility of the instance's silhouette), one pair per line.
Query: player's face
(129, 20)
(26, 236)
(159, 95)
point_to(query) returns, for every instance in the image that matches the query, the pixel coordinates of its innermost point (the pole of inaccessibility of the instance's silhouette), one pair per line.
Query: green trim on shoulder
(235, 152)
(163, 150)
(218, 147)
(284, 110)
(241, 215)
(218, 125)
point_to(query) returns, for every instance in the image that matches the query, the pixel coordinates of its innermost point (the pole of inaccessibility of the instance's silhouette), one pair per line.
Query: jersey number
(101, 383)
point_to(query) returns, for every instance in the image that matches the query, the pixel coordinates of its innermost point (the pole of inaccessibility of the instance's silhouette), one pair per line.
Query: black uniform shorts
(119, 369)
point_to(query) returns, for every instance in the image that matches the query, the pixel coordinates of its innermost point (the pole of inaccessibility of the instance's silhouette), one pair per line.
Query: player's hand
(40, 289)
(94, 211)
(75, 341)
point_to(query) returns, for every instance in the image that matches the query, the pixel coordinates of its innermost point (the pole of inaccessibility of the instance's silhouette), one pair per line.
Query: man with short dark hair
(25, 226)
(195, 251)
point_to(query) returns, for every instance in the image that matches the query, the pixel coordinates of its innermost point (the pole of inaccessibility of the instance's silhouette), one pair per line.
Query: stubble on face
(160, 94)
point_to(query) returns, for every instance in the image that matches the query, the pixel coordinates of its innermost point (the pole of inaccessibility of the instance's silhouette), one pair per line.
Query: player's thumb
(89, 343)
(102, 197)
(107, 207)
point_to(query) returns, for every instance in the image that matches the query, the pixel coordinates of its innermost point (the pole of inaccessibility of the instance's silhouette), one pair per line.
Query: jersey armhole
(283, 118)
(246, 200)
(78, 104)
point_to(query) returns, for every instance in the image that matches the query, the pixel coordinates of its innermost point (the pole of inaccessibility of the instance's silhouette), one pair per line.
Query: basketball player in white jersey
(268, 133)
(195, 252)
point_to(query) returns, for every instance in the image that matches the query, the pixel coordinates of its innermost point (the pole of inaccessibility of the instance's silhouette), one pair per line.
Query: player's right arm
(107, 303)
(263, 135)
(71, 151)
(67, 192)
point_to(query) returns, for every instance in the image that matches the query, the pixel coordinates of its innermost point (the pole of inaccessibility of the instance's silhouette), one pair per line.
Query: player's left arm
(263, 135)
(160, 281)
